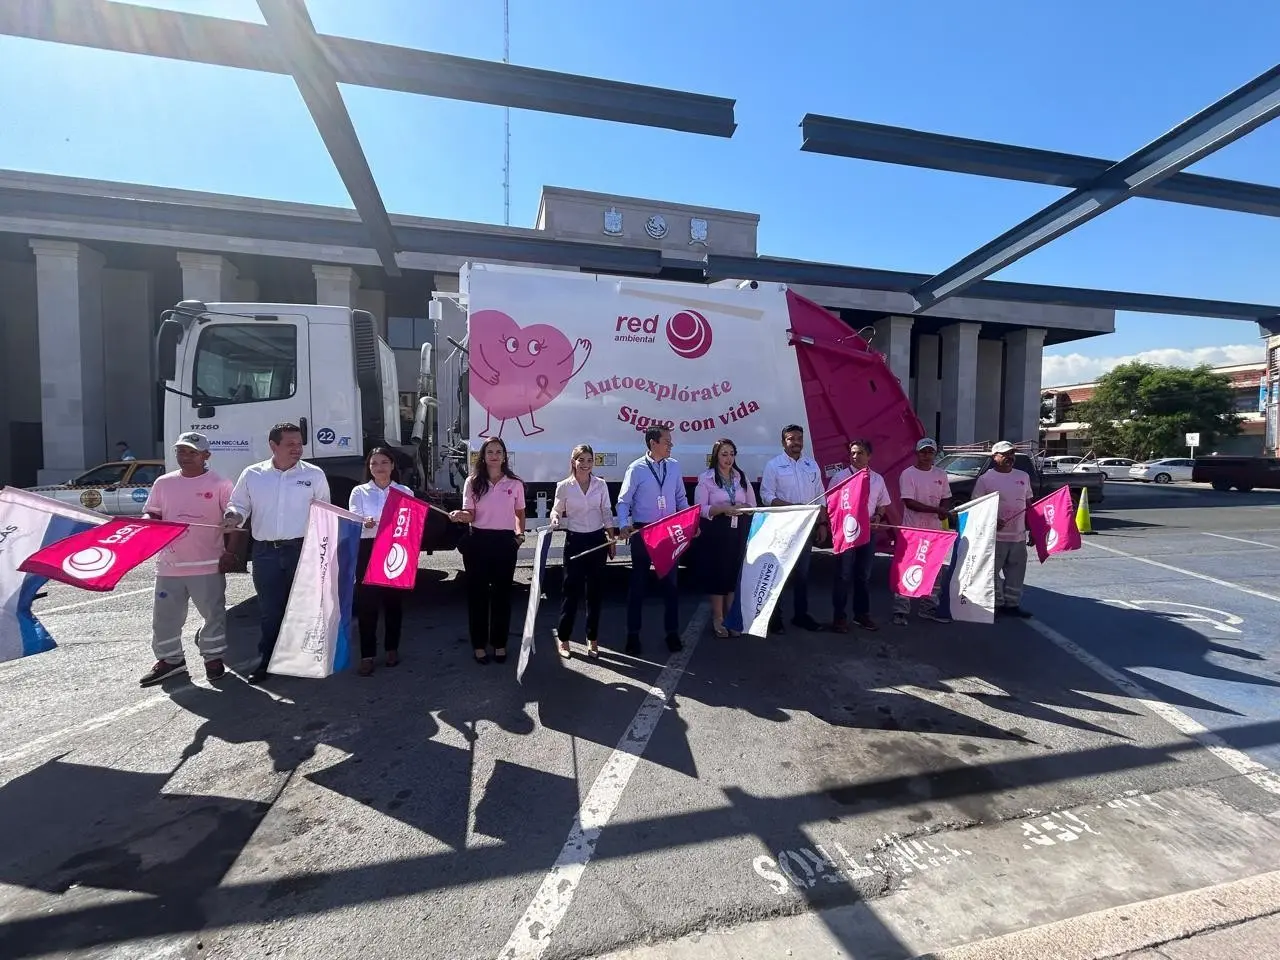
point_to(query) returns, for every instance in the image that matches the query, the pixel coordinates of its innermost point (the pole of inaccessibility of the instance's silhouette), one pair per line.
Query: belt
(279, 543)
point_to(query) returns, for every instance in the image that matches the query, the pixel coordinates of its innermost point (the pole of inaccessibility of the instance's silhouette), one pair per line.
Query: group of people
(273, 499)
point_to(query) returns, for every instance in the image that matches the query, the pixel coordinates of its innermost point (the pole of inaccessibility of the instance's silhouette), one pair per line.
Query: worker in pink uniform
(1014, 487)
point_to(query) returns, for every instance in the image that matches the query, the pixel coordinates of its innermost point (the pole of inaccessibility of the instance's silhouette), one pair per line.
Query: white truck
(544, 359)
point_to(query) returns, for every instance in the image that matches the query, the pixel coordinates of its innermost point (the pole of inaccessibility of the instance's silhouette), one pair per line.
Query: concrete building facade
(86, 267)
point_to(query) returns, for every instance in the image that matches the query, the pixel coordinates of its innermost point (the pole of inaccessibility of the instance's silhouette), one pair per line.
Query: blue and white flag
(541, 551)
(315, 637)
(774, 543)
(970, 589)
(28, 523)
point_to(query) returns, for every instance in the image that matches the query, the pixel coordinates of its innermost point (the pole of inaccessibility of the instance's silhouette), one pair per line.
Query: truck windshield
(244, 362)
(963, 465)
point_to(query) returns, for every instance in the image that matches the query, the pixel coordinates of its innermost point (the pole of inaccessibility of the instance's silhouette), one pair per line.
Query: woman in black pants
(493, 503)
(367, 500)
(582, 509)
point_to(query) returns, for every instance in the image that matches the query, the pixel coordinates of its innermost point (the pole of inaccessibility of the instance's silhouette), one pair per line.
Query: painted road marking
(1190, 573)
(1229, 623)
(533, 933)
(85, 603)
(1256, 543)
(1235, 759)
(84, 727)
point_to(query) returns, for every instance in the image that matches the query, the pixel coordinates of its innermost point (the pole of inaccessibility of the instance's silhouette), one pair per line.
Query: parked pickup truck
(964, 468)
(1242, 473)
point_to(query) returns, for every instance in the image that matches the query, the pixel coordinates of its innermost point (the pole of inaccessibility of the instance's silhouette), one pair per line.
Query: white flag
(315, 637)
(773, 547)
(540, 552)
(972, 590)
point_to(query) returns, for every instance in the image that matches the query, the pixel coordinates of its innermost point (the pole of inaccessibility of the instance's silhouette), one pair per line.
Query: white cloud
(1077, 368)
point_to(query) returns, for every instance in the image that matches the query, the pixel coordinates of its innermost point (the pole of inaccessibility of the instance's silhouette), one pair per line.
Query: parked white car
(1163, 471)
(1114, 468)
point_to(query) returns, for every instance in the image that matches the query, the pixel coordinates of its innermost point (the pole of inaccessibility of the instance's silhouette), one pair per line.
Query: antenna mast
(506, 148)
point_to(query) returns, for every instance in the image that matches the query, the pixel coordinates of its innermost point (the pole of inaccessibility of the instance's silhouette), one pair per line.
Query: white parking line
(1256, 543)
(1237, 760)
(39, 743)
(1190, 573)
(84, 603)
(533, 933)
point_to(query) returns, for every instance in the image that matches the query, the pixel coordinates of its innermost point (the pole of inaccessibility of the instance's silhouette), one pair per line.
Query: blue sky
(1087, 76)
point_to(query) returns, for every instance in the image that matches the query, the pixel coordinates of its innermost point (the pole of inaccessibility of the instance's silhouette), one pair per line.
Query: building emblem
(613, 222)
(698, 231)
(656, 226)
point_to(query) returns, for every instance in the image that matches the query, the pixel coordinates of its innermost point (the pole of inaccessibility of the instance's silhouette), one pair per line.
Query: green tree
(1142, 410)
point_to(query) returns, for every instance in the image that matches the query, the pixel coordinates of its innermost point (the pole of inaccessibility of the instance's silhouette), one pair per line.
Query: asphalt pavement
(893, 793)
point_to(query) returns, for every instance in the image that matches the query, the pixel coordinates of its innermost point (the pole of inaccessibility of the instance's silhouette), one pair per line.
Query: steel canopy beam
(985, 158)
(769, 270)
(129, 28)
(1235, 115)
(300, 44)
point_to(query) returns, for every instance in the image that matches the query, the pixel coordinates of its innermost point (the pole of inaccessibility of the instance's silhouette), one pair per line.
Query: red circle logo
(689, 334)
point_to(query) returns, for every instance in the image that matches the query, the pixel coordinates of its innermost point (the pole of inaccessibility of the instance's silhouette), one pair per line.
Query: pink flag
(849, 507)
(917, 557)
(96, 559)
(396, 545)
(1051, 521)
(669, 537)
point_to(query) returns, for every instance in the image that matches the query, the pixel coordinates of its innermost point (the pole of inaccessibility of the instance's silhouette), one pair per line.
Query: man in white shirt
(275, 496)
(1014, 487)
(854, 565)
(793, 478)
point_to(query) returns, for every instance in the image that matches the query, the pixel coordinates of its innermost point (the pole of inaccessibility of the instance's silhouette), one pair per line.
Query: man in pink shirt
(192, 568)
(926, 502)
(1014, 487)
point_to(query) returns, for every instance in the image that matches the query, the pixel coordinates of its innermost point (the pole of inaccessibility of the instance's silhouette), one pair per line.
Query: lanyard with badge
(661, 481)
(732, 490)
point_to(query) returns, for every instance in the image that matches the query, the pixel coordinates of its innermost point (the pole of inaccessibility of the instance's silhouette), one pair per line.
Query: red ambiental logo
(689, 334)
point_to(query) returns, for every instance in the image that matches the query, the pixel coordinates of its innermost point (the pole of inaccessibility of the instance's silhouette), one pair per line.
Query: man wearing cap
(1014, 487)
(192, 567)
(275, 497)
(926, 502)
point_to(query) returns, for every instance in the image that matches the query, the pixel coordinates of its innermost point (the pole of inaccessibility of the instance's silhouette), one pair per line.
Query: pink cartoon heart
(517, 370)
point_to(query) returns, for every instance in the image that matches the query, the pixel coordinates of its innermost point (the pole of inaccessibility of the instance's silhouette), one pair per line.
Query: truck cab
(233, 371)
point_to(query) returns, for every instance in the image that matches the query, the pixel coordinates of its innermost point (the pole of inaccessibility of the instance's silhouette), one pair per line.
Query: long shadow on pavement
(389, 725)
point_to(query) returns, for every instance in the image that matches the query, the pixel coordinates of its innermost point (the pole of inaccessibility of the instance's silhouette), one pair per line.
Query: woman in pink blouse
(582, 509)
(493, 503)
(722, 492)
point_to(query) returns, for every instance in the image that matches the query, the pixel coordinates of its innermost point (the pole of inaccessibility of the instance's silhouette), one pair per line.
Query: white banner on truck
(559, 358)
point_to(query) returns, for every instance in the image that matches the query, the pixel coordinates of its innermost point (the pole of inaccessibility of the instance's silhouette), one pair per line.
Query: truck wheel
(1220, 486)
(1163, 478)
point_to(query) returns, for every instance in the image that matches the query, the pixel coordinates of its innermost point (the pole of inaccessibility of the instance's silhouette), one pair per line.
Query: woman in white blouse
(582, 508)
(367, 500)
(722, 492)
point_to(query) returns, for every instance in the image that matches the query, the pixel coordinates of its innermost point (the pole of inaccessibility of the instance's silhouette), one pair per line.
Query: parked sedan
(118, 489)
(1114, 468)
(1163, 471)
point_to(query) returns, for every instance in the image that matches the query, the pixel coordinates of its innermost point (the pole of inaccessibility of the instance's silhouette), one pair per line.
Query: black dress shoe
(777, 626)
(807, 623)
(259, 676)
(674, 643)
(500, 657)
(633, 644)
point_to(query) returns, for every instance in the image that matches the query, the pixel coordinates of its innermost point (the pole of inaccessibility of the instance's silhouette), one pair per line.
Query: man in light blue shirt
(791, 478)
(652, 488)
